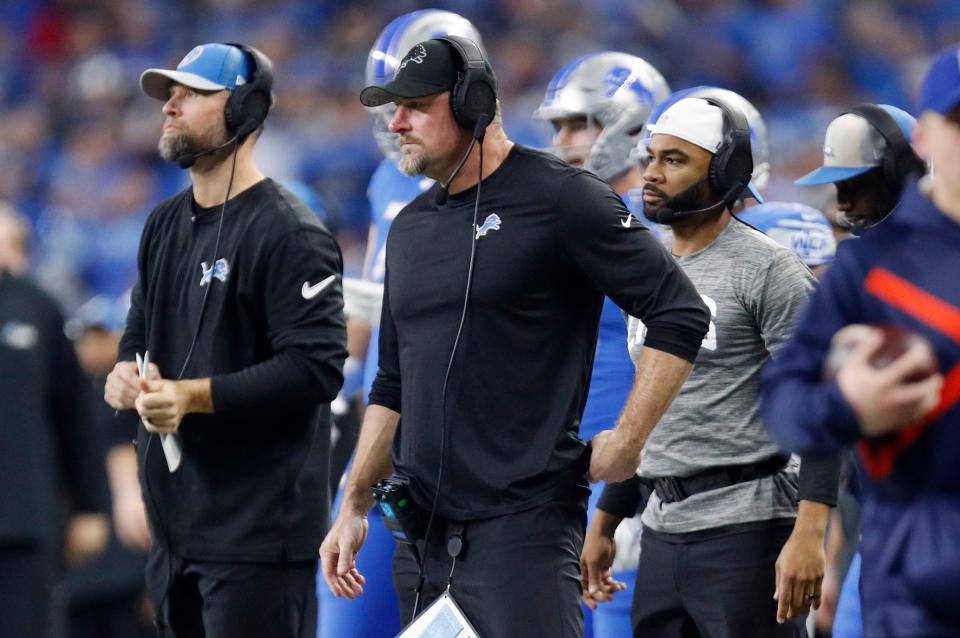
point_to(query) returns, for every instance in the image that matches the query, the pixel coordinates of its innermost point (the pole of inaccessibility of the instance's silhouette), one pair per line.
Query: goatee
(173, 147)
(412, 164)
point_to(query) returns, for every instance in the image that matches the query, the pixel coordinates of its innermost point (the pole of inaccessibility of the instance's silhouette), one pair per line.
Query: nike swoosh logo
(309, 292)
(626, 221)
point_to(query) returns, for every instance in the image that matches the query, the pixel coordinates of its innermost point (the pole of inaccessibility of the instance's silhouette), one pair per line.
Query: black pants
(26, 589)
(518, 575)
(201, 599)
(719, 587)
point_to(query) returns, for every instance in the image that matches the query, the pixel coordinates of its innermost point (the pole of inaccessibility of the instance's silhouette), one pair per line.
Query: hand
(123, 384)
(886, 400)
(130, 520)
(829, 595)
(799, 573)
(162, 404)
(596, 566)
(338, 554)
(611, 459)
(87, 536)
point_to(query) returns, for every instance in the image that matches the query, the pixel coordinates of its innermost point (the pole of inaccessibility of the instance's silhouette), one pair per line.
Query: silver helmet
(758, 129)
(394, 41)
(615, 92)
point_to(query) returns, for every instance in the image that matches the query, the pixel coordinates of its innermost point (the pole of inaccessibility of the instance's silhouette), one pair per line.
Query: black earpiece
(731, 166)
(475, 93)
(248, 104)
(899, 161)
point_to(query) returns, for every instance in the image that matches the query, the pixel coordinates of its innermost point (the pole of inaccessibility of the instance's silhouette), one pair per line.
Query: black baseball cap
(430, 67)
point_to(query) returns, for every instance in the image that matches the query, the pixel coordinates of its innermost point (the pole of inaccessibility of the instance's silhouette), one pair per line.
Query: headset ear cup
(249, 104)
(457, 104)
(245, 110)
(480, 100)
(474, 93)
(232, 113)
(714, 173)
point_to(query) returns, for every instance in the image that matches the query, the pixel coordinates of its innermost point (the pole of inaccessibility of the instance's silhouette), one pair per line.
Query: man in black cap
(489, 324)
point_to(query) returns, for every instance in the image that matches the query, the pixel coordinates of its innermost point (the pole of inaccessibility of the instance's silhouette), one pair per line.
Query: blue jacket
(905, 272)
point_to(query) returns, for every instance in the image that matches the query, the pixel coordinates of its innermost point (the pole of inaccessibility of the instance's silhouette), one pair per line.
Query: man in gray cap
(239, 304)
(903, 417)
(868, 157)
(495, 279)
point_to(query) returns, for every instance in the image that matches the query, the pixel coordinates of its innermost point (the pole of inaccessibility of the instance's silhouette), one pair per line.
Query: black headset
(731, 166)
(475, 93)
(248, 104)
(899, 161)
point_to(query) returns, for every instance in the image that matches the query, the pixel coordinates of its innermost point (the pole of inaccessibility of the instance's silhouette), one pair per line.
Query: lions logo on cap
(191, 57)
(417, 54)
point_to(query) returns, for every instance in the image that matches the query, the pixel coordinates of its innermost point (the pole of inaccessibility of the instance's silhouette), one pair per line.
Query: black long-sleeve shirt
(551, 242)
(252, 482)
(47, 438)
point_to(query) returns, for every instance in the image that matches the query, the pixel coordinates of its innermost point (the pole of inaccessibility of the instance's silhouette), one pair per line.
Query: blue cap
(853, 146)
(940, 91)
(208, 67)
(802, 229)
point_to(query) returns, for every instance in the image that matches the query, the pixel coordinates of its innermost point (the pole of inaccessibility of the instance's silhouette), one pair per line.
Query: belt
(673, 489)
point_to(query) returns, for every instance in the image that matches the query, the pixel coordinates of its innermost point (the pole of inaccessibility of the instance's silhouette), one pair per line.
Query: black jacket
(551, 242)
(48, 443)
(253, 481)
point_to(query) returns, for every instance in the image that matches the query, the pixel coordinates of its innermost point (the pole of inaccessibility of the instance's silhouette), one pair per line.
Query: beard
(413, 163)
(174, 146)
(694, 197)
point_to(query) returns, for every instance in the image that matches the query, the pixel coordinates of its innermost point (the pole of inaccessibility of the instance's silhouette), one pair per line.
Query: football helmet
(615, 92)
(801, 228)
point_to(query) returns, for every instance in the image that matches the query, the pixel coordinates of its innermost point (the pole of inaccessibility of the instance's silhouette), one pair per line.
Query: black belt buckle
(669, 489)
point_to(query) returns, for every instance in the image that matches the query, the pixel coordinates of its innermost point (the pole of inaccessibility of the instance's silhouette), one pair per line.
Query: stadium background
(77, 138)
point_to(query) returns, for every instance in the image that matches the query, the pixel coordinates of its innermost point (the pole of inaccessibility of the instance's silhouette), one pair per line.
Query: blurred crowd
(77, 138)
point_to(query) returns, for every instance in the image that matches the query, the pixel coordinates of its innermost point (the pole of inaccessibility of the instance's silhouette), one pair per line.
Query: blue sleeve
(802, 412)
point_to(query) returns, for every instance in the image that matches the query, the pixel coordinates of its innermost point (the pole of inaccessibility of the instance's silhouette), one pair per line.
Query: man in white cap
(868, 157)
(722, 521)
(238, 302)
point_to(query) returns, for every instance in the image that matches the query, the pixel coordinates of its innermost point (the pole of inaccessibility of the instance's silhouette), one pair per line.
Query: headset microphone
(667, 215)
(189, 159)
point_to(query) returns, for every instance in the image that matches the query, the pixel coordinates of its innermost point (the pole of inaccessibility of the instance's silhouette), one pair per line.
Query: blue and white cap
(853, 146)
(208, 67)
(801, 228)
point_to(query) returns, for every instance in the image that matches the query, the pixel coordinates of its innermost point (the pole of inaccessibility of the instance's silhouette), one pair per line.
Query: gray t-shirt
(754, 288)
